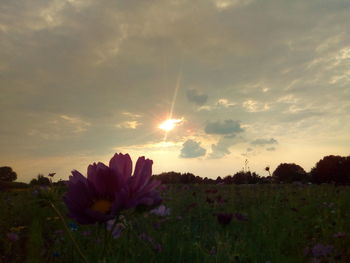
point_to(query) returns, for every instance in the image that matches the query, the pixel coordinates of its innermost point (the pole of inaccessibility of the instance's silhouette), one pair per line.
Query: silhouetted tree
(243, 177)
(7, 174)
(40, 180)
(187, 178)
(332, 169)
(288, 173)
(218, 180)
(228, 179)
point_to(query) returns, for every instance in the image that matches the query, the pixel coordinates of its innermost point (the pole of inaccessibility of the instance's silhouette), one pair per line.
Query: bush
(7, 174)
(332, 169)
(289, 172)
(40, 180)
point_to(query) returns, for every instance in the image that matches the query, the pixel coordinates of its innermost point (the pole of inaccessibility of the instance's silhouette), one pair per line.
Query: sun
(169, 124)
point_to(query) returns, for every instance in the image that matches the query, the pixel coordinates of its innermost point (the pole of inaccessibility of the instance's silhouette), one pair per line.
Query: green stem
(69, 233)
(104, 241)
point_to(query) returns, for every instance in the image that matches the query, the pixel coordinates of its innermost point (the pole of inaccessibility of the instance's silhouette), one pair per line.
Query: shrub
(289, 172)
(332, 169)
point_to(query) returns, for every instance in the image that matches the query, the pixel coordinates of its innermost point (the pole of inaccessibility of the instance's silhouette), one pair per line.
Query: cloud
(225, 103)
(255, 106)
(196, 97)
(192, 149)
(222, 147)
(128, 124)
(264, 141)
(118, 62)
(225, 127)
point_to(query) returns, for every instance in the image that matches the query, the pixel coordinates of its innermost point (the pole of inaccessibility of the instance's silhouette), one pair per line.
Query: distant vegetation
(331, 170)
(7, 174)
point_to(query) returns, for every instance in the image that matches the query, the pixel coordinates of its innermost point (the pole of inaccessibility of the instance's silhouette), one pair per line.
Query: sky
(262, 80)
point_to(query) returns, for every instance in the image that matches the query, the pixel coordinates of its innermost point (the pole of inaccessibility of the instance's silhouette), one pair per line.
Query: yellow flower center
(102, 206)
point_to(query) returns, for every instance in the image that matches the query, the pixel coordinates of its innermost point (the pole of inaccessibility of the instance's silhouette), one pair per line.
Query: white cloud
(128, 124)
(255, 106)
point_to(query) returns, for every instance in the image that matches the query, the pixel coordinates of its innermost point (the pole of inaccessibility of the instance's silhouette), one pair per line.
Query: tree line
(330, 169)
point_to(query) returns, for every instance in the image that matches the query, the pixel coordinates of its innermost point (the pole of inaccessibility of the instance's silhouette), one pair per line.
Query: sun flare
(169, 124)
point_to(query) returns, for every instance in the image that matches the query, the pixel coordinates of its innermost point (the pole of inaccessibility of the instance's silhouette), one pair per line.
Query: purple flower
(12, 236)
(320, 250)
(161, 210)
(224, 219)
(116, 229)
(109, 189)
(339, 235)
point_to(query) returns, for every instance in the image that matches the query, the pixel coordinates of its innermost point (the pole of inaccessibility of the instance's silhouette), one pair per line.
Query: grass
(283, 223)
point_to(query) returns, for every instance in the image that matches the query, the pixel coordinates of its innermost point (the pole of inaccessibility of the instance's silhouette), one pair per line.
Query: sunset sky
(266, 80)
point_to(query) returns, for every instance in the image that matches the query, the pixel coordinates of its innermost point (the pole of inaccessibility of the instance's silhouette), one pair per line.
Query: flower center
(102, 206)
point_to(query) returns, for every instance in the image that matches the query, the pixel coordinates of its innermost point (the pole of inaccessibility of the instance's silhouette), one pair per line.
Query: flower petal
(121, 165)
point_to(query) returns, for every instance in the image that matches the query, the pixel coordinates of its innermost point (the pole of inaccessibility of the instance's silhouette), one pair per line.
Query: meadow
(201, 223)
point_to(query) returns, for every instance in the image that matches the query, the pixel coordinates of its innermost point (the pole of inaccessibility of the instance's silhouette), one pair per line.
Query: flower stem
(69, 233)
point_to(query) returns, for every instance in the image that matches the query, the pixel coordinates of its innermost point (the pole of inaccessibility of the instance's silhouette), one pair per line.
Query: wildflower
(12, 236)
(109, 189)
(339, 235)
(116, 229)
(224, 219)
(320, 250)
(161, 211)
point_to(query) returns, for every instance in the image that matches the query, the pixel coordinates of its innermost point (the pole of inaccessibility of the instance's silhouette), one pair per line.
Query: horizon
(197, 87)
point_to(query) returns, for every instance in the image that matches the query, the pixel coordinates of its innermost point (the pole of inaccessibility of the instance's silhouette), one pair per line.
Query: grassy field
(270, 223)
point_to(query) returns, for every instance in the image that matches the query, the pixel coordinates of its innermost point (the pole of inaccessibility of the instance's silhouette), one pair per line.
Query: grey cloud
(221, 148)
(264, 141)
(226, 127)
(192, 149)
(196, 97)
(92, 59)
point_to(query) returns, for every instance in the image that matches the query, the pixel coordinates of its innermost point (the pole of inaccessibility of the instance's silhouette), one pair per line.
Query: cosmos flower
(109, 189)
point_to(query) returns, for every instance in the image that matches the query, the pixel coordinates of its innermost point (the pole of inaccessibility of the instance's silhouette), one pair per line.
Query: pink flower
(107, 190)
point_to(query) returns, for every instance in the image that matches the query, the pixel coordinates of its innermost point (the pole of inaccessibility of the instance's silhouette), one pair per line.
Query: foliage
(270, 223)
(288, 173)
(40, 180)
(332, 169)
(7, 174)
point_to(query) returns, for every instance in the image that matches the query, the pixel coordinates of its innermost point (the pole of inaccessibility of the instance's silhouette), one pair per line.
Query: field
(264, 223)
